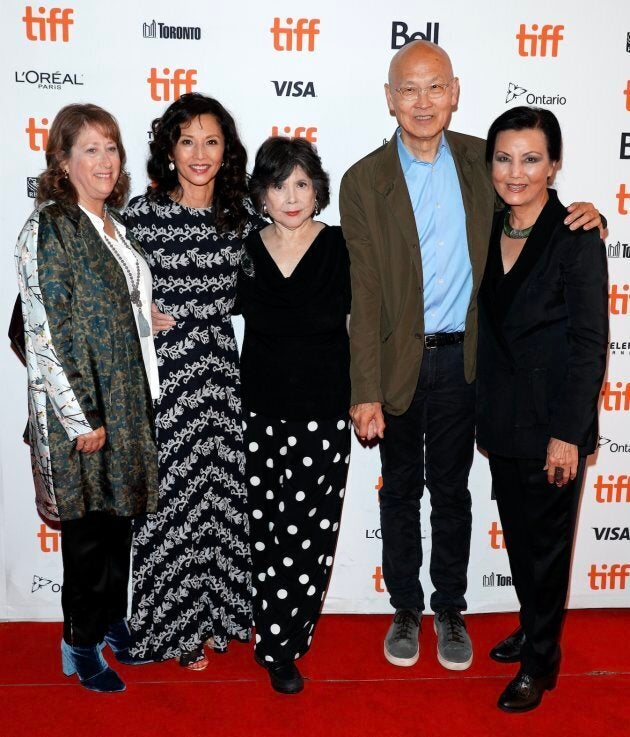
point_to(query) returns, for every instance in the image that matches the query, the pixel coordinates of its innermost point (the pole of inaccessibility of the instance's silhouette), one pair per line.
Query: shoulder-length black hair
(230, 188)
(277, 158)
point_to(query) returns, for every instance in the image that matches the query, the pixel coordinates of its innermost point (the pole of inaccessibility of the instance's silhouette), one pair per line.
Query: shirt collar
(407, 158)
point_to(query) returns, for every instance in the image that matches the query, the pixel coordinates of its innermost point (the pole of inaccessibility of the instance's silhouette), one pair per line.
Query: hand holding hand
(368, 420)
(91, 441)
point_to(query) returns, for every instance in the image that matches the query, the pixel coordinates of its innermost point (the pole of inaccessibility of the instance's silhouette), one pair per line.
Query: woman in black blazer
(543, 332)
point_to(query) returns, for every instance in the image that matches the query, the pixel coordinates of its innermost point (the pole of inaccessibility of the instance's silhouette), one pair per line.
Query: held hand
(585, 215)
(562, 462)
(160, 320)
(368, 420)
(91, 441)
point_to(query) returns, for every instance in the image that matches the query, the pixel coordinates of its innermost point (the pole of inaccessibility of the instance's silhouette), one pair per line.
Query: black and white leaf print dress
(191, 560)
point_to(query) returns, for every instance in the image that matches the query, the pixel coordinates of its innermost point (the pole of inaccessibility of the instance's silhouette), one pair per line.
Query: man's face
(422, 118)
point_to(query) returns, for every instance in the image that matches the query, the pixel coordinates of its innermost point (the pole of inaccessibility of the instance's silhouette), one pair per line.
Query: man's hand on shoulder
(368, 420)
(585, 215)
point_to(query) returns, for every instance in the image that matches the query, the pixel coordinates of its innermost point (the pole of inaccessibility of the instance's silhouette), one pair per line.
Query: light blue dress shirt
(438, 208)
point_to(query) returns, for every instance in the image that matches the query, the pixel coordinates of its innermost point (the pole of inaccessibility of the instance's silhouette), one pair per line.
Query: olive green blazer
(387, 317)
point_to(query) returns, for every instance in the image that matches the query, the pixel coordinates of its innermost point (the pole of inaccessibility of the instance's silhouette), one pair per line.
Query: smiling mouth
(423, 117)
(292, 213)
(200, 168)
(516, 187)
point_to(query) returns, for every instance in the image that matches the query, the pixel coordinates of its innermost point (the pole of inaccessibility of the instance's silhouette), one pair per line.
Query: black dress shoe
(283, 674)
(525, 692)
(509, 650)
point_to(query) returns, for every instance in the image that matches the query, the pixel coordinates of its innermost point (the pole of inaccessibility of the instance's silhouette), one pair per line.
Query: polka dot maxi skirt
(296, 472)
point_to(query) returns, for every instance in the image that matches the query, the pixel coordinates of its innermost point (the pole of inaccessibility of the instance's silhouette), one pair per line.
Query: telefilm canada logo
(48, 80)
(619, 348)
(156, 29)
(522, 95)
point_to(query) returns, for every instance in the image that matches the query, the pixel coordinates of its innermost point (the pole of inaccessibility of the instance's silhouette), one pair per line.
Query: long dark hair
(53, 184)
(230, 187)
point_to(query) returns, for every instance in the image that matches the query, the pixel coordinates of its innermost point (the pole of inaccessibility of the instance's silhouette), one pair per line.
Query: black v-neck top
(295, 362)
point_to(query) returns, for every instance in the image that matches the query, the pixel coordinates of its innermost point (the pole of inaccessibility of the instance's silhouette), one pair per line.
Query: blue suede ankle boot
(118, 637)
(91, 668)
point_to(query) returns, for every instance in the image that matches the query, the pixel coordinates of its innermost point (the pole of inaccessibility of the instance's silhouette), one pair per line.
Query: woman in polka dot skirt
(294, 289)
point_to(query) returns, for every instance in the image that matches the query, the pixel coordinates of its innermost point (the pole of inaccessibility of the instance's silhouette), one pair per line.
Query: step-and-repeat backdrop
(316, 70)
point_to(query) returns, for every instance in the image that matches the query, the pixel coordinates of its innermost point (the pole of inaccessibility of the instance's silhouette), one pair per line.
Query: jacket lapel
(390, 183)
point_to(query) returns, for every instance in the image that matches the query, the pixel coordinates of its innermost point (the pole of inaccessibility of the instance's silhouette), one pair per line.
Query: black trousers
(538, 521)
(96, 551)
(432, 443)
(296, 474)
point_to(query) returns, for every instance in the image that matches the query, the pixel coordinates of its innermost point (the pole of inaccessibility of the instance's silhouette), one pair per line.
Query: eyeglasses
(433, 91)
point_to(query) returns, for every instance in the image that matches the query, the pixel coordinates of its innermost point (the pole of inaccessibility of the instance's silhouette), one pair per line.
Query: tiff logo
(621, 197)
(528, 43)
(300, 132)
(496, 537)
(283, 36)
(37, 134)
(379, 580)
(618, 302)
(400, 37)
(168, 88)
(603, 579)
(58, 19)
(614, 491)
(626, 92)
(618, 399)
(48, 539)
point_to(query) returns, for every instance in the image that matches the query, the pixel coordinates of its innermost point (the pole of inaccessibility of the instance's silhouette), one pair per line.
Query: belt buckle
(430, 341)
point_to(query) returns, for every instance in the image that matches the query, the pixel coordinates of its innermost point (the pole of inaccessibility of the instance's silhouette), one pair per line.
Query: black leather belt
(438, 340)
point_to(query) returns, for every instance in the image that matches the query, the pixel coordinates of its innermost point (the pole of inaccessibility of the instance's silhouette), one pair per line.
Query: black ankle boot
(283, 674)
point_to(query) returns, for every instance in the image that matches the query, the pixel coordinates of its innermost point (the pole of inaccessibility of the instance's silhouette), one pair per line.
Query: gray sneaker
(454, 650)
(401, 642)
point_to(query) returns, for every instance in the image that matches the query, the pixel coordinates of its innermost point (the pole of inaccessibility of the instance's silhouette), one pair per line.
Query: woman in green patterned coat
(92, 373)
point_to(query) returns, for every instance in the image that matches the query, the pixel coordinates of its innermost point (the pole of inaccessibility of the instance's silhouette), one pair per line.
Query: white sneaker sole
(402, 662)
(450, 664)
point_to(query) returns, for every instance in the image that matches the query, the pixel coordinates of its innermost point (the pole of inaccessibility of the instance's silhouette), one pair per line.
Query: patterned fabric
(296, 473)
(191, 560)
(85, 370)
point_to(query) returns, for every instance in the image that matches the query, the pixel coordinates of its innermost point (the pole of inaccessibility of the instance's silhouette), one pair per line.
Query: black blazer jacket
(543, 338)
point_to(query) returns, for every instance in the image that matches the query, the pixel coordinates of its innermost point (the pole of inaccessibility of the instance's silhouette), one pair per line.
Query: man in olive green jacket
(416, 214)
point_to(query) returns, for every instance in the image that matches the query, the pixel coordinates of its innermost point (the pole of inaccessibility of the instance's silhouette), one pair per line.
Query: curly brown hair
(230, 189)
(52, 183)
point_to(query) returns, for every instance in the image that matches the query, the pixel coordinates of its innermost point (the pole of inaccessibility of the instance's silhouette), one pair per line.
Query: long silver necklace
(134, 292)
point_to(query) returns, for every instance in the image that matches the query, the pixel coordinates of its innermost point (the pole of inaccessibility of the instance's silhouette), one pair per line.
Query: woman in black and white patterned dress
(191, 560)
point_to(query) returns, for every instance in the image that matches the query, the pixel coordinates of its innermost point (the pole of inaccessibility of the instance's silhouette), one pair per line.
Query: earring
(223, 163)
(65, 173)
(171, 166)
(318, 209)
(264, 209)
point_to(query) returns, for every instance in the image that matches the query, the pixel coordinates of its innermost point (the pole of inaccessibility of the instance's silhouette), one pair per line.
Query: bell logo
(379, 580)
(300, 132)
(37, 134)
(497, 541)
(603, 579)
(58, 19)
(613, 491)
(528, 42)
(621, 196)
(400, 37)
(167, 88)
(283, 36)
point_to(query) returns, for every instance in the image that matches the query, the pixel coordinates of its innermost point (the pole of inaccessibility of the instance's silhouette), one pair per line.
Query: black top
(543, 337)
(295, 360)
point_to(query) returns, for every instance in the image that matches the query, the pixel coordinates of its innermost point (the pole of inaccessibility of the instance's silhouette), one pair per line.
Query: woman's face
(93, 167)
(292, 202)
(198, 154)
(521, 166)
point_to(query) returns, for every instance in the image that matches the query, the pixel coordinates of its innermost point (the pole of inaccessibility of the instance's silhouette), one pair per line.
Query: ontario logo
(515, 91)
(40, 582)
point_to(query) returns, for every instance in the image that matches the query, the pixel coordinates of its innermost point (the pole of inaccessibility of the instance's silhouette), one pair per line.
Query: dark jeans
(538, 521)
(95, 550)
(433, 439)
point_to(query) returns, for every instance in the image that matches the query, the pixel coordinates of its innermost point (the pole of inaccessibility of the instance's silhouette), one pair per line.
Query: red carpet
(351, 690)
